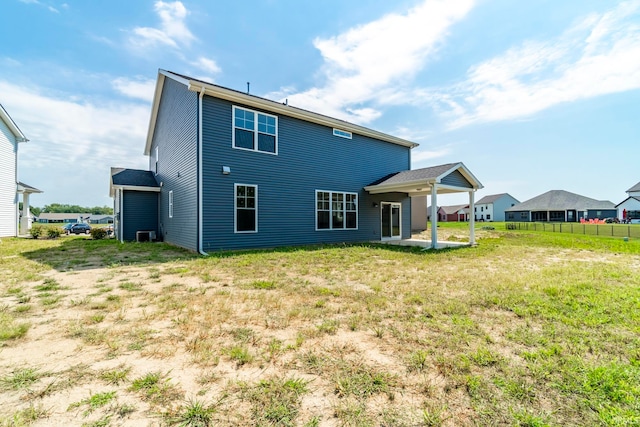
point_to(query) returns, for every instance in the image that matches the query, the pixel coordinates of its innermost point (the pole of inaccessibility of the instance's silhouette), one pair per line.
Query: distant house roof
(277, 107)
(634, 188)
(62, 216)
(450, 210)
(132, 179)
(99, 217)
(419, 181)
(492, 198)
(24, 188)
(13, 127)
(560, 200)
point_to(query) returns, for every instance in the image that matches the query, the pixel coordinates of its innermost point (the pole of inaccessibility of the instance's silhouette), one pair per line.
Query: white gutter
(200, 159)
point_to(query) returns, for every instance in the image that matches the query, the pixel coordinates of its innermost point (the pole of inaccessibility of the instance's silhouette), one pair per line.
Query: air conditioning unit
(145, 236)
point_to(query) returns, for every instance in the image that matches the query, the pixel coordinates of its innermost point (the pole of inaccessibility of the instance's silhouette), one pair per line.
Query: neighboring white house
(629, 209)
(10, 137)
(491, 208)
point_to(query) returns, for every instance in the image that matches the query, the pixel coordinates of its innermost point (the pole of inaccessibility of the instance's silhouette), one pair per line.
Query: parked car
(77, 228)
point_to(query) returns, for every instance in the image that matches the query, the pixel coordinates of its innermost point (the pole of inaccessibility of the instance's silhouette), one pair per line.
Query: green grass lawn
(529, 329)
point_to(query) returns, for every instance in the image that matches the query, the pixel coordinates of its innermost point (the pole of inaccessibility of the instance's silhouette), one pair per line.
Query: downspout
(16, 209)
(121, 215)
(200, 192)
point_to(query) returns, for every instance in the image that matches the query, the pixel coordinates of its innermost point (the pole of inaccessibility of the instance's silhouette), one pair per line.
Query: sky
(530, 96)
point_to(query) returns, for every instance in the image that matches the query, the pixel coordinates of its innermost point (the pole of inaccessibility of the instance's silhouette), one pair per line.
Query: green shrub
(36, 231)
(53, 233)
(98, 233)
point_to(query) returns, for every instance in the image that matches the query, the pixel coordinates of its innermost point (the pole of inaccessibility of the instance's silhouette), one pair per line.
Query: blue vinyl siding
(457, 179)
(176, 136)
(309, 158)
(140, 213)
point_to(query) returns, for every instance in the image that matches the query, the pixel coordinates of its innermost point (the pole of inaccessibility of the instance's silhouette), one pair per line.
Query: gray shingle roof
(133, 178)
(634, 188)
(415, 175)
(561, 200)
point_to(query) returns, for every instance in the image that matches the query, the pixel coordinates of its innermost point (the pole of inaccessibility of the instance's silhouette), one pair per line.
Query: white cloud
(172, 32)
(422, 157)
(207, 65)
(74, 140)
(367, 60)
(140, 88)
(599, 55)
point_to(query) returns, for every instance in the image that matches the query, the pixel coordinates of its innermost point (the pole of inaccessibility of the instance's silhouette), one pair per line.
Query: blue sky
(531, 96)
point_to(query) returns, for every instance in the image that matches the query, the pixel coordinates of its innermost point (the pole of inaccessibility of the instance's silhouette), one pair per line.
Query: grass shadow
(84, 254)
(80, 253)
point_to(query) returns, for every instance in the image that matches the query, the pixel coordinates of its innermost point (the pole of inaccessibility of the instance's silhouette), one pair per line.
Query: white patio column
(434, 216)
(472, 219)
(25, 224)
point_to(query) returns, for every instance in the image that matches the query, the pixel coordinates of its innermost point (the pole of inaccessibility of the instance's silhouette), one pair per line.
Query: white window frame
(235, 208)
(171, 204)
(255, 130)
(157, 156)
(344, 202)
(342, 133)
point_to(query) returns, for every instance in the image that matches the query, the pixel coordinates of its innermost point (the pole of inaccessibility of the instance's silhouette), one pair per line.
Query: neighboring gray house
(100, 219)
(629, 208)
(493, 207)
(65, 218)
(561, 206)
(229, 170)
(10, 137)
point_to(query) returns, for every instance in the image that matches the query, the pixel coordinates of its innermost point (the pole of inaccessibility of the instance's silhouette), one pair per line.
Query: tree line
(64, 208)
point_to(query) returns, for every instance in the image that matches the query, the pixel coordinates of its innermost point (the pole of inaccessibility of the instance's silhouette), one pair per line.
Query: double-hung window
(246, 208)
(336, 210)
(255, 131)
(171, 204)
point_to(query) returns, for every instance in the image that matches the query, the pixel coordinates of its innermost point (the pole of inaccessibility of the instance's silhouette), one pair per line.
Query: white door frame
(391, 204)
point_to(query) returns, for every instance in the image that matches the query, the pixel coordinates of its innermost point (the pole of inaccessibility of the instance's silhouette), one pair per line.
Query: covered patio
(432, 181)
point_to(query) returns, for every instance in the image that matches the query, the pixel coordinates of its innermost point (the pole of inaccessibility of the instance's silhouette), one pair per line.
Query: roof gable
(450, 210)
(420, 180)
(13, 127)
(627, 199)
(274, 107)
(634, 188)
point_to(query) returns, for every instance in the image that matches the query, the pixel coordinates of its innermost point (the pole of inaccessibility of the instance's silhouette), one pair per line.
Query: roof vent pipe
(248, 84)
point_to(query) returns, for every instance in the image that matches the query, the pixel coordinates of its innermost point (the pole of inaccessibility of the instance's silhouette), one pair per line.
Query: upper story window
(342, 133)
(255, 131)
(157, 156)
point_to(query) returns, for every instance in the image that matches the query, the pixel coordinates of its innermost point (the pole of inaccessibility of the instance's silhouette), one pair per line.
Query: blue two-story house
(230, 170)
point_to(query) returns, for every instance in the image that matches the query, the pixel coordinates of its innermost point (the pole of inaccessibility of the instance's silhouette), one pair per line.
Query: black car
(78, 228)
